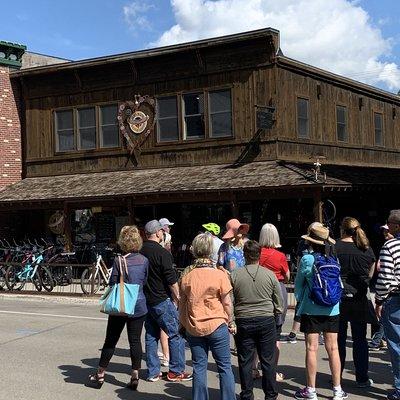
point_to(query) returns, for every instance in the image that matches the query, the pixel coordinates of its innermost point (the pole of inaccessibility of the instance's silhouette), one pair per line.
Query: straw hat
(233, 227)
(319, 235)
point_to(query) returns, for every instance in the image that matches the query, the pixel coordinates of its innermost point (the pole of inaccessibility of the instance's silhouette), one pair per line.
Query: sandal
(133, 384)
(96, 380)
(256, 373)
(280, 377)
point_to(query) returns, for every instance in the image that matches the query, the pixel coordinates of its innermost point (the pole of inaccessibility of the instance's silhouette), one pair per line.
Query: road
(49, 346)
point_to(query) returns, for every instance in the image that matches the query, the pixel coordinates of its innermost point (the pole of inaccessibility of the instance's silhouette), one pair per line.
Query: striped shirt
(389, 272)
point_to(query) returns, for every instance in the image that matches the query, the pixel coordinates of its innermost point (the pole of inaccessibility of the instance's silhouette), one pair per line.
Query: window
(378, 123)
(199, 115)
(167, 119)
(220, 104)
(341, 123)
(303, 130)
(87, 128)
(109, 132)
(64, 130)
(193, 109)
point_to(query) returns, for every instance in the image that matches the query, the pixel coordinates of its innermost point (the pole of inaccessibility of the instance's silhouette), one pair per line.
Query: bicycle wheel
(2, 277)
(13, 279)
(87, 280)
(37, 282)
(47, 279)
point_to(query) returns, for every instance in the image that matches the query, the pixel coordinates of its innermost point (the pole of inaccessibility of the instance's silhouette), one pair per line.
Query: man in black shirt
(162, 296)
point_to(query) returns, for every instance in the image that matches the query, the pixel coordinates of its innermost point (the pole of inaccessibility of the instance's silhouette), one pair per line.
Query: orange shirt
(275, 261)
(200, 308)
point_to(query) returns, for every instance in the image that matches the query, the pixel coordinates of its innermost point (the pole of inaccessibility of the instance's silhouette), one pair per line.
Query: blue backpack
(326, 287)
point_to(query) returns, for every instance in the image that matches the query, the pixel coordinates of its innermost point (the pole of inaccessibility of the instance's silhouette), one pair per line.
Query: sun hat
(385, 227)
(233, 227)
(152, 227)
(165, 221)
(319, 235)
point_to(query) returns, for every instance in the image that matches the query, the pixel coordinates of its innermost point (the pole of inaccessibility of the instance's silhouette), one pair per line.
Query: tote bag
(121, 298)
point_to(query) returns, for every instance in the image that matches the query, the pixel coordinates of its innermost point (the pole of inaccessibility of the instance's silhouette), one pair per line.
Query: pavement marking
(52, 315)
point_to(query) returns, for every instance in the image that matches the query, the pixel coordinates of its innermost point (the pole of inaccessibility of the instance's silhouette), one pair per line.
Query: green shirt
(256, 292)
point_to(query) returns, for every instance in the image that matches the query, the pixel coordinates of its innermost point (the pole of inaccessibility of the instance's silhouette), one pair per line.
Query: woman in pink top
(275, 261)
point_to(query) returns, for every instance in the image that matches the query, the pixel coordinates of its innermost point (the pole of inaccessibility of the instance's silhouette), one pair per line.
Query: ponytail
(360, 239)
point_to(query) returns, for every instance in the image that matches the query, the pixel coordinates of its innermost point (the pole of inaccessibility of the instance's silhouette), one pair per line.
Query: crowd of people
(237, 287)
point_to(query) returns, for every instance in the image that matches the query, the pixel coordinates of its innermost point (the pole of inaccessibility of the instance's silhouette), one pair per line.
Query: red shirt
(275, 261)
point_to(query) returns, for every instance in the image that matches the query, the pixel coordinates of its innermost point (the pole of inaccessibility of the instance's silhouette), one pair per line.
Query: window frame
(218, 112)
(100, 125)
(346, 121)
(308, 136)
(178, 111)
(381, 114)
(207, 116)
(75, 119)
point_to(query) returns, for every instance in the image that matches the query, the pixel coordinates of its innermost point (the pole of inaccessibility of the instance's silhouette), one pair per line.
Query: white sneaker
(340, 395)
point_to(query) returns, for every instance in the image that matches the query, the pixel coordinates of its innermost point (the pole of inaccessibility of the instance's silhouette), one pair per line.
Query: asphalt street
(49, 346)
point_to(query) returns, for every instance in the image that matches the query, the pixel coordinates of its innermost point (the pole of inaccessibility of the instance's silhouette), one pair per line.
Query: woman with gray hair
(205, 312)
(276, 262)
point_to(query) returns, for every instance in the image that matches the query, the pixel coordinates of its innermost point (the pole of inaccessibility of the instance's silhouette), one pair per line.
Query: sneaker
(183, 377)
(394, 395)
(365, 384)
(154, 378)
(305, 394)
(340, 395)
(164, 362)
(291, 338)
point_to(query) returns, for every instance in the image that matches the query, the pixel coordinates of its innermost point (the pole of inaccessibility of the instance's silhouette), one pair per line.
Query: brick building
(13, 57)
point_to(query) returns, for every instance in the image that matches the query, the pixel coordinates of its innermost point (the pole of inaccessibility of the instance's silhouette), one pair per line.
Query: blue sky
(359, 39)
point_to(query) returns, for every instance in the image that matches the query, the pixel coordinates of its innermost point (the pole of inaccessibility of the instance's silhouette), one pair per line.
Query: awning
(191, 179)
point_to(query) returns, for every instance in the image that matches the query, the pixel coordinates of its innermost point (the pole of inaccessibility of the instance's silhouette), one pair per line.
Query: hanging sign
(136, 120)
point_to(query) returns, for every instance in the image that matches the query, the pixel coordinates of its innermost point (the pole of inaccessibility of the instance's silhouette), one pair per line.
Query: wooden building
(212, 153)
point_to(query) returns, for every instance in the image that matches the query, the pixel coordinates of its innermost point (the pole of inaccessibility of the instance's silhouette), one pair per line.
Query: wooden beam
(318, 215)
(67, 226)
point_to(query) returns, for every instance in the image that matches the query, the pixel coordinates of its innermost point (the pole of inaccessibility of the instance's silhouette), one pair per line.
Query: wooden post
(234, 207)
(131, 211)
(67, 226)
(318, 216)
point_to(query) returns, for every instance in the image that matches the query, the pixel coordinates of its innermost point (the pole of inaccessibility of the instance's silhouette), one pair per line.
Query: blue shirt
(302, 286)
(138, 266)
(231, 257)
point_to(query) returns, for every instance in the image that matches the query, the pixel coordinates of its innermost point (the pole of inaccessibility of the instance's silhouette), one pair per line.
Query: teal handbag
(121, 298)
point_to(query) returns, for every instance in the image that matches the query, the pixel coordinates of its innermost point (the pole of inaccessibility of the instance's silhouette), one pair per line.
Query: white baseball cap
(165, 221)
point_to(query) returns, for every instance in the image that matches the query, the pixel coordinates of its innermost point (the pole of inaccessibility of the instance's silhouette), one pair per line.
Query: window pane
(194, 115)
(302, 108)
(87, 117)
(167, 107)
(109, 136)
(303, 127)
(108, 115)
(221, 124)
(341, 124)
(220, 101)
(194, 103)
(378, 121)
(64, 119)
(87, 138)
(66, 140)
(168, 129)
(194, 126)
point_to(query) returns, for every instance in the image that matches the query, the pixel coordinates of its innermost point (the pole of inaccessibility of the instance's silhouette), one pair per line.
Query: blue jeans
(391, 325)
(257, 335)
(360, 347)
(218, 343)
(164, 316)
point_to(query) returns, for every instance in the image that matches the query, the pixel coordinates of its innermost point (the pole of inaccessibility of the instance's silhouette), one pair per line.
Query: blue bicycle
(30, 270)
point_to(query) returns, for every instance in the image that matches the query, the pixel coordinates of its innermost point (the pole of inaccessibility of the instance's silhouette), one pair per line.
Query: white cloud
(337, 35)
(134, 15)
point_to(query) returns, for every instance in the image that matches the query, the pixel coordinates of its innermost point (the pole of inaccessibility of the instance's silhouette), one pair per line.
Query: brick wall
(10, 131)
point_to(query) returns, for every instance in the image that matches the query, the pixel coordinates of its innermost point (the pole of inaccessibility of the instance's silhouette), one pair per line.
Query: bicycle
(30, 270)
(93, 278)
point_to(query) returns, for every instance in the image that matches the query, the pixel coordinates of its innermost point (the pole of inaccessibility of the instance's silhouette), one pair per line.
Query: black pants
(257, 334)
(115, 326)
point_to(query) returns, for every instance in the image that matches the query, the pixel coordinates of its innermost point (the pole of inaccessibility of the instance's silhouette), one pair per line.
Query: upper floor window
(86, 128)
(303, 129)
(378, 123)
(341, 123)
(196, 115)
